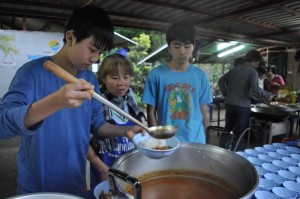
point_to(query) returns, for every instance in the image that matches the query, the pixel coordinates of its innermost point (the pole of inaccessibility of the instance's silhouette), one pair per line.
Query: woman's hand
(133, 130)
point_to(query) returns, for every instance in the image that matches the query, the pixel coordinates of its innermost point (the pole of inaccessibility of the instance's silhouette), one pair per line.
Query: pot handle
(112, 173)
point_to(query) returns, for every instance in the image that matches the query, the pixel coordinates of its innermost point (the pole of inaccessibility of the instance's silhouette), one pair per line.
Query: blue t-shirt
(52, 155)
(178, 97)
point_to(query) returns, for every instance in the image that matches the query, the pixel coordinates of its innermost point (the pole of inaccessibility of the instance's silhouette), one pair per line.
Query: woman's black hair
(272, 69)
(92, 21)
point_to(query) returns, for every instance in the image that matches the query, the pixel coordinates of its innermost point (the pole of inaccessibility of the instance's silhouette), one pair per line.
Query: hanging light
(224, 45)
(232, 50)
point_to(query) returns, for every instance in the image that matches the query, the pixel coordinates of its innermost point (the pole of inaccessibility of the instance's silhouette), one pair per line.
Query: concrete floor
(8, 167)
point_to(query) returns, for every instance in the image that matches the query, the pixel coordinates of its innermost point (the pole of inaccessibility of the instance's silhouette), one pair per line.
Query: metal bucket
(46, 195)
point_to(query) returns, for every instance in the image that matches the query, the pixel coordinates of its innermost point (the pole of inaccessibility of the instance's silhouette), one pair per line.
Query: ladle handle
(58, 71)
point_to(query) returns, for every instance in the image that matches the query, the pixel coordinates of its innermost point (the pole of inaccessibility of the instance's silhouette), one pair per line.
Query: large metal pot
(215, 163)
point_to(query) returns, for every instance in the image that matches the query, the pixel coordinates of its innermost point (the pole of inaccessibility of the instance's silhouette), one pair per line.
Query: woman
(114, 79)
(274, 81)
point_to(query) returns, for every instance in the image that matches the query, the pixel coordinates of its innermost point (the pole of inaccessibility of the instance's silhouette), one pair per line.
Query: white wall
(19, 47)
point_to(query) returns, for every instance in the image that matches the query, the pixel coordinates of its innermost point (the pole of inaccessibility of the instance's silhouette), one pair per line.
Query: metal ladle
(158, 132)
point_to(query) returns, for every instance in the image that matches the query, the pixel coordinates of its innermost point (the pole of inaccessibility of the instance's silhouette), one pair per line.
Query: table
(218, 100)
(277, 113)
(273, 128)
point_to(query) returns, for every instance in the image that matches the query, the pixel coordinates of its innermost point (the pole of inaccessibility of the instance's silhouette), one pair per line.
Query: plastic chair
(225, 141)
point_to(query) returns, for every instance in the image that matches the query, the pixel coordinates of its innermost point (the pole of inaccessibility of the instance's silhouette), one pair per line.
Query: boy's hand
(73, 94)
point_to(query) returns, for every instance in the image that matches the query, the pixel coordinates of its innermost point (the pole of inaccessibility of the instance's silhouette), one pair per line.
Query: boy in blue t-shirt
(54, 118)
(177, 92)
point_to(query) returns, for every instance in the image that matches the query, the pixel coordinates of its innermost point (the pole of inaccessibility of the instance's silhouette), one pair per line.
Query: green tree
(140, 51)
(136, 53)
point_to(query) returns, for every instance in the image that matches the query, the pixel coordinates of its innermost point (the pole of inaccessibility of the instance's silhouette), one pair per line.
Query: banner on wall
(19, 47)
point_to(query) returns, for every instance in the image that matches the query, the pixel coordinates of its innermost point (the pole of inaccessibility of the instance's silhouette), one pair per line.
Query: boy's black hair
(261, 69)
(182, 31)
(253, 55)
(92, 21)
(239, 61)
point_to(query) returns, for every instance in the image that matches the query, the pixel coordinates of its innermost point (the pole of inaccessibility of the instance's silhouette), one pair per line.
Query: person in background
(237, 86)
(114, 79)
(274, 81)
(238, 61)
(178, 93)
(262, 75)
(54, 118)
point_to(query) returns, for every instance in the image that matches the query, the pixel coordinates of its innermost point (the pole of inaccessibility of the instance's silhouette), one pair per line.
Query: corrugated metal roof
(260, 22)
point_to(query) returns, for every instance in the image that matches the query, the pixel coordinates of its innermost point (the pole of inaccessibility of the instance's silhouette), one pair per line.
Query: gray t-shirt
(239, 84)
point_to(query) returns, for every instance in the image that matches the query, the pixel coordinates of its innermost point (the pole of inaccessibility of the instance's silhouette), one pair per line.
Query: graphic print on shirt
(179, 101)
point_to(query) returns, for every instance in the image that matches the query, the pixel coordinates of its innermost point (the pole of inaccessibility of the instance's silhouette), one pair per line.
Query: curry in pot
(183, 185)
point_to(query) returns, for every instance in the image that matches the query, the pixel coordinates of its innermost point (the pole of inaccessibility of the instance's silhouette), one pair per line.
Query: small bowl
(270, 167)
(296, 156)
(290, 160)
(295, 170)
(283, 192)
(102, 186)
(252, 152)
(265, 184)
(261, 171)
(266, 158)
(279, 145)
(243, 154)
(283, 152)
(261, 149)
(264, 195)
(173, 142)
(281, 164)
(279, 180)
(270, 147)
(293, 149)
(255, 161)
(293, 186)
(288, 175)
(275, 155)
